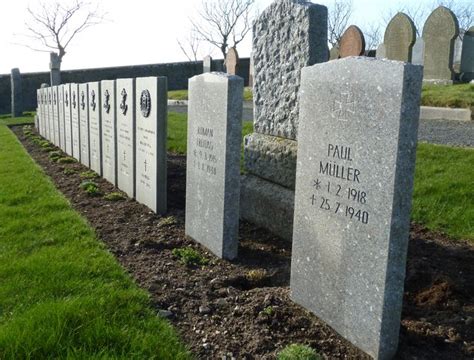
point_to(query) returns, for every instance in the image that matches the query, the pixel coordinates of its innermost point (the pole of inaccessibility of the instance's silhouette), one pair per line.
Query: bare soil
(226, 310)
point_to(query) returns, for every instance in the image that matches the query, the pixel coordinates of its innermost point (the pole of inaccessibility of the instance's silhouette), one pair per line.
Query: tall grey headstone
(75, 122)
(55, 68)
(287, 36)
(151, 119)
(213, 153)
(467, 56)
(62, 124)
(440, 30)
(207, 64)
(399, 38)
(68, 120)
(109, 131)
(84, 124)
(16, 93)
(95, 127)
(354, 181)
(418, 52)
(125, 107)
(57, 129)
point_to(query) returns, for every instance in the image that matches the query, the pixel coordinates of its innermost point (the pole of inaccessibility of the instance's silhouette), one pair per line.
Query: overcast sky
(138, 32)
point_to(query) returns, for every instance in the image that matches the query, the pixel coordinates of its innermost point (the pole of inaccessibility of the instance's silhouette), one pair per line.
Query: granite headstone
(109, 131)
(467, 57)
(84, 124)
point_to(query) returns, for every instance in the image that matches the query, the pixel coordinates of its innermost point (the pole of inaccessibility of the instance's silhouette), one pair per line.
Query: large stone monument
(151, 129)
(399, 38)
(213, 167)
(68, 119)
(125, 108)
(287, 36)
(467, 56)
(55, 68)
(232, 61)
(109, 131)
(84, 124)
(75, 122)
(352, 42)
(95, 127)
(16, 93)
(440, 30)
(356, 160)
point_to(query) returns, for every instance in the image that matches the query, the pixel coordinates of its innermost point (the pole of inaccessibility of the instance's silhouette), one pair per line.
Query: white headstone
(62, 126)
(151, 117)
(75, 121)
(125, 107)
(57, 129)
(84, 124)
(109, 131)
(68, 119)
(50, 130)
(95, 126)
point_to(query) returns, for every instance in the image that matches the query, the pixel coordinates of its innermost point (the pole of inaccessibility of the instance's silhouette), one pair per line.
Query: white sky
(139, 32)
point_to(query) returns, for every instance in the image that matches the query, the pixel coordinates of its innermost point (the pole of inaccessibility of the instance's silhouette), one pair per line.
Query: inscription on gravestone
(354, 180)
(95, 124)
(84, 124)
(126, 135)
(151, 119)
(57, 128)
(109, 131)
(75, 120)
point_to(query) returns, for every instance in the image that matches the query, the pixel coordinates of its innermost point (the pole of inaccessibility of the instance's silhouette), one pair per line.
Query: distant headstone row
(115, 127)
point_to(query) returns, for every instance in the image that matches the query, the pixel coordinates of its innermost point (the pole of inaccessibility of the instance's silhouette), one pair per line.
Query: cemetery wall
(177, 74)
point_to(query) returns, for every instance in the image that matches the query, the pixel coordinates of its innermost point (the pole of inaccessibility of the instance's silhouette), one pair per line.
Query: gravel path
(445, 132)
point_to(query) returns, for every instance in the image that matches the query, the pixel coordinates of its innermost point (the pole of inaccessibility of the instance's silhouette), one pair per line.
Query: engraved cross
(344, 106)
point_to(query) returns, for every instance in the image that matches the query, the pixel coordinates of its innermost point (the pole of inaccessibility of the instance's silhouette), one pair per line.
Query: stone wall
(177, 73)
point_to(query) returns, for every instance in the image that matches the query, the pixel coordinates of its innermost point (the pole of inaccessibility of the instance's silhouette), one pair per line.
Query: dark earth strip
(242, 308)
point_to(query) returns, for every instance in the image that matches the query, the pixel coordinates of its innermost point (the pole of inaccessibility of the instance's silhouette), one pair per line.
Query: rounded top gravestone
(232, 61)
(439, 32)
(352, 42)
(399, 38)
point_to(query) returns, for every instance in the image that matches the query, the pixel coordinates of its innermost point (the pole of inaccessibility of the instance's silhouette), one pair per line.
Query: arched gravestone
(399, 38)
(352, 42)
(439, 33)
(232, 61)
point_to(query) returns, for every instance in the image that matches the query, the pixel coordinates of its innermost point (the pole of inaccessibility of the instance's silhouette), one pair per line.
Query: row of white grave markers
(115, 127)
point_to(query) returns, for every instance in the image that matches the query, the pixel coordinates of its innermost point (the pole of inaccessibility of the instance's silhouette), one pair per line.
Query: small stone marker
(207, 64)
(151, 118)
(352, 42)
(380, 53)
(62, 125)
(418, 52)
(57, 129)
(440, 30)
(84, 124)
(16, 93)
(232, 61)
(213, 171)
(109, 131)
(95, 127)
(75, 122)
(354, 181)
(399, 38)
(467, 56)
(334, 53)
(68, 119)
(125, 107)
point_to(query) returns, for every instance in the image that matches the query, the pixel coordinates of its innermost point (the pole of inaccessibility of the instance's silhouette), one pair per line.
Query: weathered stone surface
(151, 118)
(49, 115)
(75, 122)
(467, 56)
(399, 38)
(95, 127)
(109, 131)
(352, 42)
(271, 158)
(125, 108)
(55, 68)
(16, 93)
(251, 72)
(84, 131)
(334, 53)
(440, 30)
(207, 64)
(55, 110)
(232, 61)
(62, 126)
(457, 52)
(287, 36)
(267, 205)
(418, 52)
(212, 174)
(68, 119)
(354, 180)
(380, 52)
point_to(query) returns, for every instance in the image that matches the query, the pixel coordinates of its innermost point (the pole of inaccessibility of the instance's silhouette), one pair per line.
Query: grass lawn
(459, 95)
(62, 294)
(183, 94)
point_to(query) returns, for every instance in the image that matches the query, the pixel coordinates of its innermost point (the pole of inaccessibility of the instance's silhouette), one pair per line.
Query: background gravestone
(207, 64)
(55, 69)
(38, 111)
(334, 53)
(232, 61)
(213, 153)
(440, 30)
(467, 57)
(95, 127)
(75, 122)
(51, 130)
(125, 108)
(352, 42)
(83, 103)
(457, 51)
(251, 71)
(68, 119)
(62, 126)
(56, 125)
(16, 93)
(109, 131)
(287, 36)
(418, 52)
(151, 118)
(380, 53)
(399, 38)
(356, 162)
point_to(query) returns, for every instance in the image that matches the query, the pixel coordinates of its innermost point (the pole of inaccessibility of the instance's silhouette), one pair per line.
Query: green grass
(183, 94)
(457, 96)
(298, 352)
(444, 190)
(62, 295)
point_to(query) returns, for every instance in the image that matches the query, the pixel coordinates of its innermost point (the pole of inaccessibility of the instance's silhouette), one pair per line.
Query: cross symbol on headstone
(344, 107)
(145, 164)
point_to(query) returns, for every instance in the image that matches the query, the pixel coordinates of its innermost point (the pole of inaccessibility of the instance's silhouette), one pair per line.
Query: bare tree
(464, 11)
(338, 18)
(52, 26)
(223, 23)
(373, 36)
(190, 46)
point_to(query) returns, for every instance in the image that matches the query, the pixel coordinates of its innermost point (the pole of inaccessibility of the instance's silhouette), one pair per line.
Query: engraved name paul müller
(337, 188)
(343, 106)
(205, 158)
